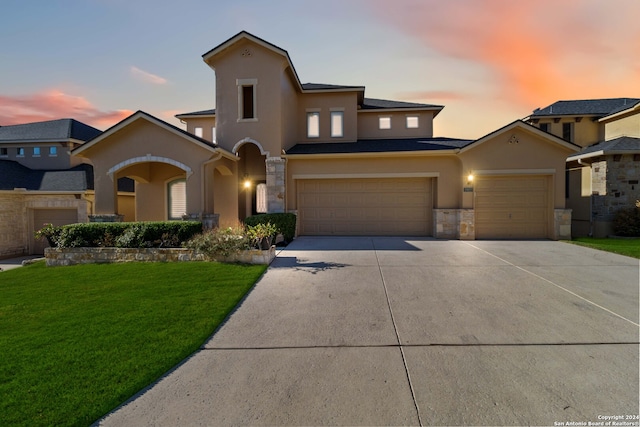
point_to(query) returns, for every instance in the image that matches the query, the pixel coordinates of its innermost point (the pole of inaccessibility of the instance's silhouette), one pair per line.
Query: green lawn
(628, 247)
(75, 342)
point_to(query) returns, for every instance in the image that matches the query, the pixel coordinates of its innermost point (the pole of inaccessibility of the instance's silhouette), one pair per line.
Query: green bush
(626, 222)
(165, 234)
(220, 242)
(285, 223)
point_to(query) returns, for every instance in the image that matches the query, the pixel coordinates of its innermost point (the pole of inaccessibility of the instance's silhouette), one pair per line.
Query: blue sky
(488, 61)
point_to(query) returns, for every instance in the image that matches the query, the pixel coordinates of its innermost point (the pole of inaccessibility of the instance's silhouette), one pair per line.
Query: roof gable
(519, 124)
(141, 115)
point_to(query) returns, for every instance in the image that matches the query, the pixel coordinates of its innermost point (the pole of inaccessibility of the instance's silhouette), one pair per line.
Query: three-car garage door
(512, 207)
(365, 206)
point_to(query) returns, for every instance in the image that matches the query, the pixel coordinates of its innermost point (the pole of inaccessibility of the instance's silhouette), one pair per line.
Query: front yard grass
(76, 342)
(628, 247)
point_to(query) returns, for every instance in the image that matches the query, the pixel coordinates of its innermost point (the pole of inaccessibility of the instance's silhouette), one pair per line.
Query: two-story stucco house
(603, 176)
(344, 163)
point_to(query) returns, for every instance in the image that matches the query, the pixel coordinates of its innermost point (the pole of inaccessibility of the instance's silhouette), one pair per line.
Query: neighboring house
(603, 177)
(40, 182)
(346, 164)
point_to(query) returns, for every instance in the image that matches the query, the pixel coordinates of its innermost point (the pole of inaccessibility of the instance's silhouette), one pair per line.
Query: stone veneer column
(562, 224)
(275, 184)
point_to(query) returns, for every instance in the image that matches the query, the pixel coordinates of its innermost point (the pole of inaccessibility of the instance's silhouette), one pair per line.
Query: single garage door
(56, 217)
(512, 207)
(365, 206)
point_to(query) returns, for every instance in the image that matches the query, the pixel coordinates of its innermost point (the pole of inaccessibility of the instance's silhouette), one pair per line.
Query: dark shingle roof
(379, 146)
(323, 86)
(199, 113)
(78, 178)
(596, 107)
(52, 130)
(374, 104)
(617, 145)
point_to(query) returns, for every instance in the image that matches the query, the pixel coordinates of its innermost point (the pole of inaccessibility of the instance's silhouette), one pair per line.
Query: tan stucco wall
(623, 126)
(446, 169)
(586, 132)
(324, 103)
(60, 161)
(530, 155)
(140, 139)
(206, 123)
(368, 125)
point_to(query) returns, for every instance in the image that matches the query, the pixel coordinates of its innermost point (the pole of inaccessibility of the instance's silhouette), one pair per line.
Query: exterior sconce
(470, 178)
(246, 182)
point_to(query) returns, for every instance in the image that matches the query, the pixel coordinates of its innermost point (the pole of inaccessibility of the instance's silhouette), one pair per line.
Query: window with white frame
(313, 124)
(53, 151)
(198, 132)
(384, 122)
(177, 198)
(247, 99)
(412, 122)
(337, 124)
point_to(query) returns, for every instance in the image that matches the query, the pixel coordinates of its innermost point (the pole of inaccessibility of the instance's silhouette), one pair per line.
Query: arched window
(177, 198)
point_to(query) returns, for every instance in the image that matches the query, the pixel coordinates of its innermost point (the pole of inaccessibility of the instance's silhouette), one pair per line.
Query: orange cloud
(55, 104)
(536, 52)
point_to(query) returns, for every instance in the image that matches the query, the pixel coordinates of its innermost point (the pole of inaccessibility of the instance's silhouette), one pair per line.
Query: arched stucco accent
(146, 159)
(224, 170)
(253, 141)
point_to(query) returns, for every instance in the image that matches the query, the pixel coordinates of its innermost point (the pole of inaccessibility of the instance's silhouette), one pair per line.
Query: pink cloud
(55, 104)
(146, 76)
(536, 53)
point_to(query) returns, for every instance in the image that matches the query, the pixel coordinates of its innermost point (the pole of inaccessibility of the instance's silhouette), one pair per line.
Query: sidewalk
(11, 263)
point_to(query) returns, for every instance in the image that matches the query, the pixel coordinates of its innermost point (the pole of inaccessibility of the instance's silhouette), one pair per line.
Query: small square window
(53, 151)
(198, 132)
(20, 152)
(337, 124)
(412, 122)
(313, 125)
(36, 151)
(384, 122)
(4, 152)
(544, 127)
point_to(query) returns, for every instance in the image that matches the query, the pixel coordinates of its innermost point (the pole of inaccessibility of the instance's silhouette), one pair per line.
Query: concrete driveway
(393, 331)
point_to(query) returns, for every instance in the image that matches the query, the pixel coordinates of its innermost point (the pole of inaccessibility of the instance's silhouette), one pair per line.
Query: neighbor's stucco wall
(624, 126)
(369, 126)
(586, 131)
(61, 160)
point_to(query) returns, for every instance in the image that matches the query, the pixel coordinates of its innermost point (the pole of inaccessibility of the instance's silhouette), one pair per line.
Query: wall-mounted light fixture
(246, 183)
(470, 178)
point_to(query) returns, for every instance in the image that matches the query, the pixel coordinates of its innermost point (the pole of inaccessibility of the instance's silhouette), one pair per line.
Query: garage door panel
(365, 206)
(57, 217)
(512, 207)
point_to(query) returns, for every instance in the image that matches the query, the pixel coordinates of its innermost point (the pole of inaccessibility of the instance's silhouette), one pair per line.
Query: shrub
(121, 234)
(285, 223)
(261, 235)
(219, 242)
(626, 222)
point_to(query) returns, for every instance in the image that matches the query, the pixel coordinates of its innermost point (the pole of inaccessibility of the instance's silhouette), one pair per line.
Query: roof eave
(422, 153)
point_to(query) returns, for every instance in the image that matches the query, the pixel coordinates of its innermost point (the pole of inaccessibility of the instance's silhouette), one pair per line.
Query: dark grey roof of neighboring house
(617, 145)
(198, 113)
(323, 86)
(78, 178)
(373, 104)
(595, 107)
(52, 130)
(379, 146)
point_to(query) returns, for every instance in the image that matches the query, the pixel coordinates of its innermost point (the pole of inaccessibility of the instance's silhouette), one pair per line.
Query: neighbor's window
(177, 198)
(337, 124)
(198, 132)
(213, 134)
(36, 151)
(384, 122)
(313, 124)
(20, 152)
(4, 152)
(53, 151)
(567, 132)
(412, 122)
(544, 127)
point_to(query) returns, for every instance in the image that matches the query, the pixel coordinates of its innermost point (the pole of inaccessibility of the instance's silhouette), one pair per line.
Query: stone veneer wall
(275, 184)
(562, 224)
(72, 256)
(454, 224)
(13, 225)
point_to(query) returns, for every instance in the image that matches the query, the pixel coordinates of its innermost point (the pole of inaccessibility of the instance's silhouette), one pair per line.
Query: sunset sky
(488, 61)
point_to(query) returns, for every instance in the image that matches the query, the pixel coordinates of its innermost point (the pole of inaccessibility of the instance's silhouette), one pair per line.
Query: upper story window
(198, 132)
(247, 99)
(384, 122)
(544, 127)
(20, 152)
(4, 152)
(213, 134)
(567, 132)
(53, 151)
(337, 124)
(313, 124)
(36, 151)
(412, 122)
